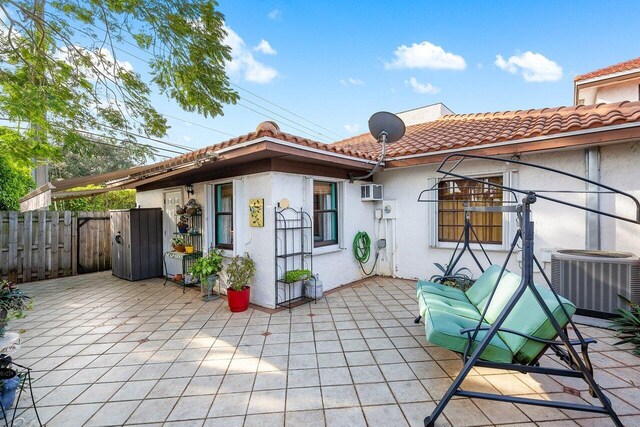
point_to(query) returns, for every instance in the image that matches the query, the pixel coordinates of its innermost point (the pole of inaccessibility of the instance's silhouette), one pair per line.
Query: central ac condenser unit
(593, 279)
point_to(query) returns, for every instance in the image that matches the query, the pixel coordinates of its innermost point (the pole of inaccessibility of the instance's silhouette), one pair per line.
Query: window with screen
(325, 213)
(452, 194)
(224, 216)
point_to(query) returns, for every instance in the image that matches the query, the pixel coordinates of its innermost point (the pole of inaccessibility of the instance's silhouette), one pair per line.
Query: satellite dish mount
(386, 128)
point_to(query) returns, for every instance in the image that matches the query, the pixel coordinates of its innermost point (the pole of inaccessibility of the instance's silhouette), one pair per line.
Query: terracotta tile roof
(469, 130)
(612, 69)
(264, 129)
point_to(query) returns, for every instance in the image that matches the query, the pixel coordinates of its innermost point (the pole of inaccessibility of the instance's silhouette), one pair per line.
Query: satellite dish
(386, 124)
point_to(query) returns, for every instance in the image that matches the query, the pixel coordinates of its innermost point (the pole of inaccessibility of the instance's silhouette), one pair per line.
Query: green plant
(13, 304)
(240, 271)
(627, 325)
(178, 241)
(208, 265)
(457, 279)
(292, 276)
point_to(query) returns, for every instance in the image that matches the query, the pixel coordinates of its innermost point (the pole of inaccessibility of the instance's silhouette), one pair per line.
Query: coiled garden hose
(362, 251)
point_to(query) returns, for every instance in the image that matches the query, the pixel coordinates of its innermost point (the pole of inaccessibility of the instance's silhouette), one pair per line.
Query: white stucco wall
(409, 253)
(335, 266)
(614, 92)
(556, 226)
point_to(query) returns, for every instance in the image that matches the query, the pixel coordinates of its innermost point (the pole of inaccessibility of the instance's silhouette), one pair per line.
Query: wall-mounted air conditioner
(370, 192)
(592, 280)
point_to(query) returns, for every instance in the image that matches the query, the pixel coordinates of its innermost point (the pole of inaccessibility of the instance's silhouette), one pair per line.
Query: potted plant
(207, 268)
(239, 273)
(178, 244)
(293, 276)
(13, 304)
(183, 224)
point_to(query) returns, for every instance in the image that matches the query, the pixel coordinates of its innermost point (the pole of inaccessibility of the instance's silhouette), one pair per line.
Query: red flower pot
(239, 300)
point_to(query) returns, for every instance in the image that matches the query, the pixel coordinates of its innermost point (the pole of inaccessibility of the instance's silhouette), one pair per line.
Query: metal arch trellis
(564, 347)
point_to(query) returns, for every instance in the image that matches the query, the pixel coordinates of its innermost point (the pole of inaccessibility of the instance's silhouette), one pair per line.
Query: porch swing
(504, 320)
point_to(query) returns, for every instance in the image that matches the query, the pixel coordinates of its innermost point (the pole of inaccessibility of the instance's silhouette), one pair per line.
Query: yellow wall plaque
(256, 212)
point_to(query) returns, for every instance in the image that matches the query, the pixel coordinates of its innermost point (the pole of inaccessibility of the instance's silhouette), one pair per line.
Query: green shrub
(240, 271)
(296, 276)
(208, 265)
(627, 325)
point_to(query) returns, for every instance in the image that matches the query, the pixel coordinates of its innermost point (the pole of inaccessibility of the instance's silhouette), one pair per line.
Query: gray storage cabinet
(136, 243)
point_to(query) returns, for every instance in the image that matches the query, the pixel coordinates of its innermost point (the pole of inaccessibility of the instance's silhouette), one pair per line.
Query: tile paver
(112, 352)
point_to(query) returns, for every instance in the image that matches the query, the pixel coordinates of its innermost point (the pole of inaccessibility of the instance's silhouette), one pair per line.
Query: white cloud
(243, 64)
(352, 129)
(423, 88)
(275, 14)
(265, 47)
(351, 82)
(102, 61)
(534, 67)
(425, 55)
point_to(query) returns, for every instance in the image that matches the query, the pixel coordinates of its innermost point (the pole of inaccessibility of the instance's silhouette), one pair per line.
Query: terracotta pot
(191, 210)
(238, 300)
(178, 277)
(179, 248)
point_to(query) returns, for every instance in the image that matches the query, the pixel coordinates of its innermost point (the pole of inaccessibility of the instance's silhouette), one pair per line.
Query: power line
(284, 109)
(146, 61)
(269, 117)
(153, 148)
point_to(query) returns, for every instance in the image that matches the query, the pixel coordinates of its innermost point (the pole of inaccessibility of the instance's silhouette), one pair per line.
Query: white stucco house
(600, 141)
(619, 82)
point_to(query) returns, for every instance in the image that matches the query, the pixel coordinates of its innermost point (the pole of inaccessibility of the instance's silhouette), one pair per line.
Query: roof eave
(617, 133)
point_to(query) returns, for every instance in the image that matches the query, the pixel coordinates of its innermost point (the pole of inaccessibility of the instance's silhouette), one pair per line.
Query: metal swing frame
(465, 240)
(564, 347)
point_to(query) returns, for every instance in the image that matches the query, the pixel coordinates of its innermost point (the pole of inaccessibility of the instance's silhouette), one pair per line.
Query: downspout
(592, 172)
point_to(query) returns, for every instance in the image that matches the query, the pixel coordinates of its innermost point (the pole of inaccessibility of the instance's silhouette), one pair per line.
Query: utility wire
(146, 61)
(284, 109)
(153, 148)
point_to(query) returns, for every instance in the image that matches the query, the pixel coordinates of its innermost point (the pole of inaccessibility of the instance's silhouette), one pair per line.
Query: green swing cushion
(483, 286)
(440, 289)
(443, 330)
(428, 301)
(447, 310)
(527, 317)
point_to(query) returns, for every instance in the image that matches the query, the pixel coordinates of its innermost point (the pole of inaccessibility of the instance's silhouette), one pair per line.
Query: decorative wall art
(256, 212)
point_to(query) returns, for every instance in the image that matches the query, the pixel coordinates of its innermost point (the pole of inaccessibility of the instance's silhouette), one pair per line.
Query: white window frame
(509, 179)
(238, 215)
(308, 202)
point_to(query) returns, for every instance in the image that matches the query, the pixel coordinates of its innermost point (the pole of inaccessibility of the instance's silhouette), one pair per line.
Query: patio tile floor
(110, 352)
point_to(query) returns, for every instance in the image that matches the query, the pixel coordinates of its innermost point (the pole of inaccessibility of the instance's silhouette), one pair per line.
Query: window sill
(474, 246)
(326, 249)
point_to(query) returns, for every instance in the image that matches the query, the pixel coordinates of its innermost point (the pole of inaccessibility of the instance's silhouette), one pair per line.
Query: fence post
(27, 246)
(12, 270)
(41, 251)
(67, 255)
(74, 245)
(55, 219)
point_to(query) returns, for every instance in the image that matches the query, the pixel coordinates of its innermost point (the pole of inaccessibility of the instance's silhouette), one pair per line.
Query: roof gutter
(519, 141)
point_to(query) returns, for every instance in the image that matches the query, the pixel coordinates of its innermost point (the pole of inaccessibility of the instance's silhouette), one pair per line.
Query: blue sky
(337, 63)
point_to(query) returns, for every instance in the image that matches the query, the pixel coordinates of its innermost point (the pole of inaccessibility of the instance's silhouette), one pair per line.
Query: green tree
(15, 181)
(62, 74)
(121, 199)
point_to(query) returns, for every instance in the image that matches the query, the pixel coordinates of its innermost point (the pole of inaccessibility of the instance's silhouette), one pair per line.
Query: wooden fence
(40, 245)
